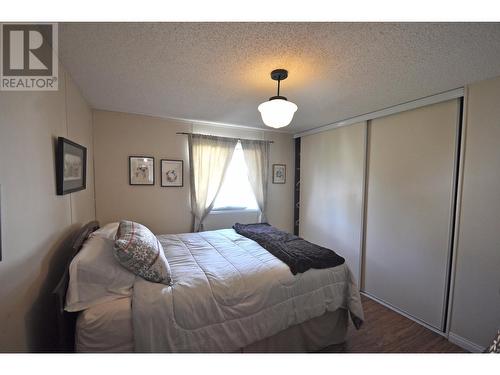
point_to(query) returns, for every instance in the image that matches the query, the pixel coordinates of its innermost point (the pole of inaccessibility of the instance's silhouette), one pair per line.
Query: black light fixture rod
(279, 75)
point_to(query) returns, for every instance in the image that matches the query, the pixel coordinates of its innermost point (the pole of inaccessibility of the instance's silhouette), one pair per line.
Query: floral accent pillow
(138, 250)
(495, 347)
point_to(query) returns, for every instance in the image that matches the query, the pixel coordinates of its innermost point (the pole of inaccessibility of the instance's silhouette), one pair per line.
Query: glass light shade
(277, 113)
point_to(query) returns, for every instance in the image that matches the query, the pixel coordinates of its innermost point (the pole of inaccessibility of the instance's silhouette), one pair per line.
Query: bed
(228, 295)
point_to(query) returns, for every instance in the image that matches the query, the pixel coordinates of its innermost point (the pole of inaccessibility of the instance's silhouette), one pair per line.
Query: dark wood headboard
(66, 321)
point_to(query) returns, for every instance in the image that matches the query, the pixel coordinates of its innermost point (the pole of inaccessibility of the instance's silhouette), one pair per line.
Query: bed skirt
(310, 336)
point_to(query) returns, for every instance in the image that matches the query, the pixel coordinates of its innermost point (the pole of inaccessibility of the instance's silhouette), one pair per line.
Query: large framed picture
(279, 173)
(141, 170)
(71, 166)
(172, 173)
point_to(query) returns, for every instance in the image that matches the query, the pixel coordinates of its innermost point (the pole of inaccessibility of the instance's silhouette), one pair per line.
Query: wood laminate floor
(385, 331)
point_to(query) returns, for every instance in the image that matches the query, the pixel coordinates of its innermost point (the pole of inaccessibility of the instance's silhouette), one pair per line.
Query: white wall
(35, 219)
(475, 313)
(331, 191)
(167, 210)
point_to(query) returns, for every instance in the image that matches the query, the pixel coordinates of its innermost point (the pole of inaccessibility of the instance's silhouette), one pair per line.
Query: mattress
(228, 292)
(105, 328)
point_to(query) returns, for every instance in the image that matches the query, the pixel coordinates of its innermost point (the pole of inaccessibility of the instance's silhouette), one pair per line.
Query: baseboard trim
(464, 343)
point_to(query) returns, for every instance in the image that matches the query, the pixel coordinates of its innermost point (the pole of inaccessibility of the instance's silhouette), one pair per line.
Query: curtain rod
(241, 139)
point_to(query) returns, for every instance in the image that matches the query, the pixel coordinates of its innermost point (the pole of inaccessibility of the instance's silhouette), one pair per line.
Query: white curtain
(209, 158)
(257, 159)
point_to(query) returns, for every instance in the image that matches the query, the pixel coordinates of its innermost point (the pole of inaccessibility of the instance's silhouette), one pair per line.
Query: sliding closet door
(411, 162)
(331, 190)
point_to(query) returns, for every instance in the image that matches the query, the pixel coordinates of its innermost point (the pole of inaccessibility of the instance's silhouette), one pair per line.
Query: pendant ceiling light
(278, 111)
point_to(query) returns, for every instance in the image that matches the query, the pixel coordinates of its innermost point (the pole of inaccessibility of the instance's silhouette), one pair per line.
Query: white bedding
(105, 328)
(229, 292)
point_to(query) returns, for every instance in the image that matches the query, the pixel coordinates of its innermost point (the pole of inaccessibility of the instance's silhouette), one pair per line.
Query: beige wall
(34, 219)
(166, 210)
(476, 294)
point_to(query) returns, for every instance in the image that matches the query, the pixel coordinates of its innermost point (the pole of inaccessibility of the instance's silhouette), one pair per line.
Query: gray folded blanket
(299, 254)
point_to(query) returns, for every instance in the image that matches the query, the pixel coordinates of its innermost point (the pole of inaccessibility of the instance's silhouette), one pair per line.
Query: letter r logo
(27, 50)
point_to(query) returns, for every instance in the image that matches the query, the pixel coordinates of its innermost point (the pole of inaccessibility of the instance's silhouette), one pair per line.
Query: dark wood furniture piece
(66, 321)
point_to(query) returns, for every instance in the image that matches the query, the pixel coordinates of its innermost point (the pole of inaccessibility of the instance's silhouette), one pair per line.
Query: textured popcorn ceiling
(220, 71)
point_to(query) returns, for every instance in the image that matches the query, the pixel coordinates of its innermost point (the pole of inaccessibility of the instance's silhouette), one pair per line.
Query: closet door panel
(408, 212)
(331, 190)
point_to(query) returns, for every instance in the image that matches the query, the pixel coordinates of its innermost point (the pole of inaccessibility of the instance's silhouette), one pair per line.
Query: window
(236, 192)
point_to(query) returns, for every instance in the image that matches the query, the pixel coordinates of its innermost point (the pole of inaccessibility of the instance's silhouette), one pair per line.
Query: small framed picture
(71, 166)
(141, 170)
(172, 173)
(279, 173)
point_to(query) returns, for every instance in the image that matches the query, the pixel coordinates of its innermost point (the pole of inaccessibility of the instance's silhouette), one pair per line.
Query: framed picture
(172, 173)
(279, 173)
(71, 166)
(141, 170)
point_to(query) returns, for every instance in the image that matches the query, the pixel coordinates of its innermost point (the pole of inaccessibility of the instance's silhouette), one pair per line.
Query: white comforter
(229, 292)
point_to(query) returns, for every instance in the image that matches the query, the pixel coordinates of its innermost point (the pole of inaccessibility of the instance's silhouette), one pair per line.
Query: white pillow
(108, 231)
(96, 276)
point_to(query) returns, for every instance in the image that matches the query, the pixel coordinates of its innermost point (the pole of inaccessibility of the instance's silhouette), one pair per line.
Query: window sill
(232, 211)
